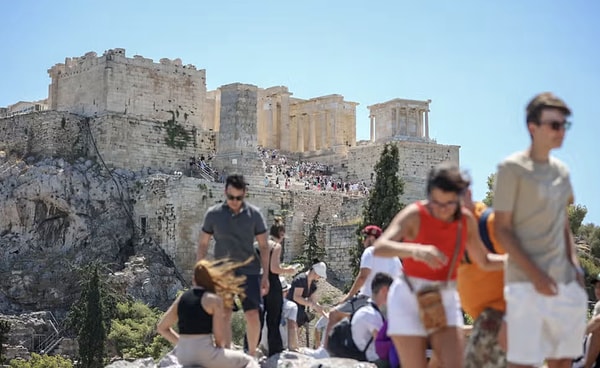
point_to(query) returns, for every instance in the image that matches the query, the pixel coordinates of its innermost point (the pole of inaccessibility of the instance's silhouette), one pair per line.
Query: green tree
(92, 332)
(133, 332)
(313, 250)
(384, 199)
(4, 330)
(489, 195)
(42, 361)
(576, 215)
(90, 317)
(594, 241)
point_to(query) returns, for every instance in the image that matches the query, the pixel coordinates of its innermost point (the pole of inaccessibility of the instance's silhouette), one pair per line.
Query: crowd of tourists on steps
(513, 268)
(307, 175)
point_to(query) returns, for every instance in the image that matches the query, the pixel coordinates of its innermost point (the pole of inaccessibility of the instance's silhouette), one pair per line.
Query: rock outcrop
(56, 216)
(285, 360)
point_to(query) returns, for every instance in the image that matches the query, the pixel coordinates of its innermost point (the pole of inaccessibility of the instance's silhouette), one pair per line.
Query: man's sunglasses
(235, 198)
(557, 125)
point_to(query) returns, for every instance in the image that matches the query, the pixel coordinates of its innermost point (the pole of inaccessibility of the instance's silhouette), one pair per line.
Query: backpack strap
(372, 338)
(483, 229)
(484, 233)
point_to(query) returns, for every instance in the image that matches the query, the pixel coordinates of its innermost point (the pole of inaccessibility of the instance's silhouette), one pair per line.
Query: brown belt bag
(429, 298)
(431, 309)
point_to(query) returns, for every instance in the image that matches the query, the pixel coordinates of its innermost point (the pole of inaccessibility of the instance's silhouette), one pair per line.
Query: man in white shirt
(367, 321)
(369, 266)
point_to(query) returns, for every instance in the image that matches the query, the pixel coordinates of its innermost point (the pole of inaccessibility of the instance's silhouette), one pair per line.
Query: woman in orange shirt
(431, 237)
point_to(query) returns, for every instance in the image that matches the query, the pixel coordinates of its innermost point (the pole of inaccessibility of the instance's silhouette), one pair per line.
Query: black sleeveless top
(193, 319)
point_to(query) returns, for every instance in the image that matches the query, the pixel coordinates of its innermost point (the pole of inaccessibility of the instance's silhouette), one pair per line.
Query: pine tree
(90, 317)
(92, 334)
(313, 250)
(383, 202)
(4, 330)
(489, 195)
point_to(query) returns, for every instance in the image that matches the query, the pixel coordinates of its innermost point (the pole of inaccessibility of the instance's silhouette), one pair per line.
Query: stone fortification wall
(416, 159)
(237, 138)
(170, 210)
(123, 142)
(91, 85)
(134, 144)
(43, 134)
(340, 239)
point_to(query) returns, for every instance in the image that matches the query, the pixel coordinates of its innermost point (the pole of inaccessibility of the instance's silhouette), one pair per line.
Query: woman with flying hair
(431, 236)
(199, 314)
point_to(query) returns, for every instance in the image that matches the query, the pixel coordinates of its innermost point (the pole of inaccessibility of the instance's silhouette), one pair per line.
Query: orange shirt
(479, 289)
(442, 234)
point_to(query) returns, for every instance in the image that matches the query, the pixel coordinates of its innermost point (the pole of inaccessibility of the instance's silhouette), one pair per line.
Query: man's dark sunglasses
(235, 198)
(557, 125)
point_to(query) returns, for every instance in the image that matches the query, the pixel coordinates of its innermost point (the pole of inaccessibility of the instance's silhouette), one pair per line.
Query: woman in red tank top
(431, 236)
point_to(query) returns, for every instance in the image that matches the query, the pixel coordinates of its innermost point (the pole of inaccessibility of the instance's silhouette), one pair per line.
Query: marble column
(312, 139)
(372, 128)
(269, 132)
(300, 133)
(331, 123)
(322, 131)
(427, 124)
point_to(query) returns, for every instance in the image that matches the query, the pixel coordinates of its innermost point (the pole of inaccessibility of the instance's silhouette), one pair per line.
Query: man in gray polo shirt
(235, 225)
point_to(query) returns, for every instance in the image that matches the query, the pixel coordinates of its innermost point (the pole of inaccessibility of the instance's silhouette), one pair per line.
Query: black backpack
(340, 343)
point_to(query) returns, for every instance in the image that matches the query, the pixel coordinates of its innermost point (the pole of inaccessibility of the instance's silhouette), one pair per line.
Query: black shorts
(253, 299)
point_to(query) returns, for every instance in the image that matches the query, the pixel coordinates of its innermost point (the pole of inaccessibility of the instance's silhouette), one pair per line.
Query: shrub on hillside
(133, 332)
(42, 361)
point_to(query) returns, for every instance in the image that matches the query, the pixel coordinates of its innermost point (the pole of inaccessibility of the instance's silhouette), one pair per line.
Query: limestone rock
(55, 217)
(296, 360)
(283, 360)
(139, 363)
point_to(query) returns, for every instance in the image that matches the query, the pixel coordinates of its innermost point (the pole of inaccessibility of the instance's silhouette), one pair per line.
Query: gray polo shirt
(235, 234)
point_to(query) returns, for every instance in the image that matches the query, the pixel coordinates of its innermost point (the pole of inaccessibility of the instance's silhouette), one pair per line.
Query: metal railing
(49, 342)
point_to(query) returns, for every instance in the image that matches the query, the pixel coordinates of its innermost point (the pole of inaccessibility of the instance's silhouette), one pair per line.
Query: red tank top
(442, 234)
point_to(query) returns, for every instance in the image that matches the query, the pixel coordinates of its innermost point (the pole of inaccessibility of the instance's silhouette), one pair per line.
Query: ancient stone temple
(399, 119)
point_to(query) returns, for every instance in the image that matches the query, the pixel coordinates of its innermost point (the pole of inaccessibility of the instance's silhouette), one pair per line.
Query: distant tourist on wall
(235, 225)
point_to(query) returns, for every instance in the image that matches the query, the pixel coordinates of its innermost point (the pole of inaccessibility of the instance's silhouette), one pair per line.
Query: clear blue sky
(478, 61)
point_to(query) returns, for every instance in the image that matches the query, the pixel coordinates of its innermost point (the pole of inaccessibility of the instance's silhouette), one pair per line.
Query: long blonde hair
(218, 277)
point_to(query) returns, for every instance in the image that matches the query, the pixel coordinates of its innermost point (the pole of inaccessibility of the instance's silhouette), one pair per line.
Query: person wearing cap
(361, 291)
(302, 291)
(591, 344)
(235, 225)
(532, 193)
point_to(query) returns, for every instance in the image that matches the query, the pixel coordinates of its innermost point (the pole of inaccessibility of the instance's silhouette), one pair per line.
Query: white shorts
(544, 327)
(403, 310)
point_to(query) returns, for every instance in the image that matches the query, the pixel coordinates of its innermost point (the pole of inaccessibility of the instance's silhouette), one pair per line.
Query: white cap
(320, 269)
(284, 285)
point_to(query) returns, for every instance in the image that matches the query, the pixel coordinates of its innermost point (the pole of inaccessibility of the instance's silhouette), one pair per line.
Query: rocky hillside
(56, 216)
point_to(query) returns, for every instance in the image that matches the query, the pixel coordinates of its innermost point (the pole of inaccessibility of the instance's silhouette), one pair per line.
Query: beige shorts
(199, 350)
